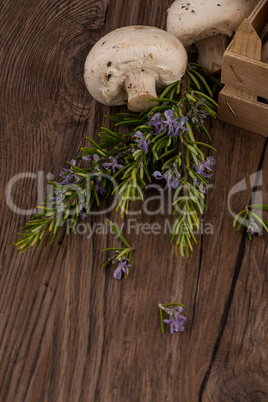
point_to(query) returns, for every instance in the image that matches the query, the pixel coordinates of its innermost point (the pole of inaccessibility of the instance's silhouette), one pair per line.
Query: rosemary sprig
(160, 145)
(176, 320)
(122, 255)
(254, 223)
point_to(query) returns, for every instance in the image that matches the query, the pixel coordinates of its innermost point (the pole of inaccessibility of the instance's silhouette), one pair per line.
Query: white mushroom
(208, 24)
(126, 66)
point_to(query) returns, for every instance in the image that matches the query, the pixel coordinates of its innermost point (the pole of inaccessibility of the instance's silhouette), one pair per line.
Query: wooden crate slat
(253, 73)
(258, 17)
(245, 113)
(247, 43)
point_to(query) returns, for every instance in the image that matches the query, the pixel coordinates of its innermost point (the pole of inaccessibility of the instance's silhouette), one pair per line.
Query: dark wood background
(68, 330)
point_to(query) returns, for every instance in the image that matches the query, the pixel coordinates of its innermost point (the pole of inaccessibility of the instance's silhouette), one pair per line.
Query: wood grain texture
(68, 330)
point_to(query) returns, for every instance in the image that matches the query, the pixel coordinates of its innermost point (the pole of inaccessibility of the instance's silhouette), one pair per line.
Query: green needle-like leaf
(119, 234)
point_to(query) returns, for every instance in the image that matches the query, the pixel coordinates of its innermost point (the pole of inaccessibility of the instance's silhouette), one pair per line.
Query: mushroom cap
(208, 18)
(128, 49)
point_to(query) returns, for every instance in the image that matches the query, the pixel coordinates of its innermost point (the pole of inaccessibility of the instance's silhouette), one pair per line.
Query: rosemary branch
(161, 145)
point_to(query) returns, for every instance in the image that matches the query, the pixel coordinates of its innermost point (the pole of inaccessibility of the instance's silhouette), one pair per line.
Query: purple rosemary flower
(180, 128)
(175, 325)
(81, 206)
(141, 141)
(253, 227)
(87, 158)
(91, 158)
(69, 177)
(122, 267)
(176, 321)
(156, 122)
(158, 176)
(170, 121)
(113, 164)
(82, 214)
(171, 175)
(197, 115)
(206, 164)
(99, 187)
(175, 127)
(169, 182)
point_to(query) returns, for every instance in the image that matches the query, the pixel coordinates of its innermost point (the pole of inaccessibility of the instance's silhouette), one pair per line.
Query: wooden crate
(245, 76)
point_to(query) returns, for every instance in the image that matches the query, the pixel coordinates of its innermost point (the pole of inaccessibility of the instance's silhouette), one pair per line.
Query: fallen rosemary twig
(121, 256)
(254, 223)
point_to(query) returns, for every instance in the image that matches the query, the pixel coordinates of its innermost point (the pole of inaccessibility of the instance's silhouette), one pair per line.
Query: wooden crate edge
(247, 114)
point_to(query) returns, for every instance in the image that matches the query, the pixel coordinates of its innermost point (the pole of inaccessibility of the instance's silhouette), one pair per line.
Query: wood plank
(242, 112)
(253, 74)
(246, 42)
(68, 331)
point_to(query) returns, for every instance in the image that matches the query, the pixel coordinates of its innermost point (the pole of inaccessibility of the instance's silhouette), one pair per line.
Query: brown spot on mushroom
(108, 76)
(109, 63)
(102, 43)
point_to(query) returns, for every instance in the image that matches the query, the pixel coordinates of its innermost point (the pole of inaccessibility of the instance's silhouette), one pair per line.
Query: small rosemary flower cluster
(253, 227)
(175, 125)
(197, 114)
(123, 267)
(254, 223)
(171, 175)
(176, 320)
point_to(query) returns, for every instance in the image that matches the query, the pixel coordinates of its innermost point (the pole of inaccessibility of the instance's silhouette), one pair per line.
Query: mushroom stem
(211, 51)
(140, 87)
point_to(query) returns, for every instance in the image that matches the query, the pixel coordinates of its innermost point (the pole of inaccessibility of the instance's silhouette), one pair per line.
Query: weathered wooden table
(69, 331)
